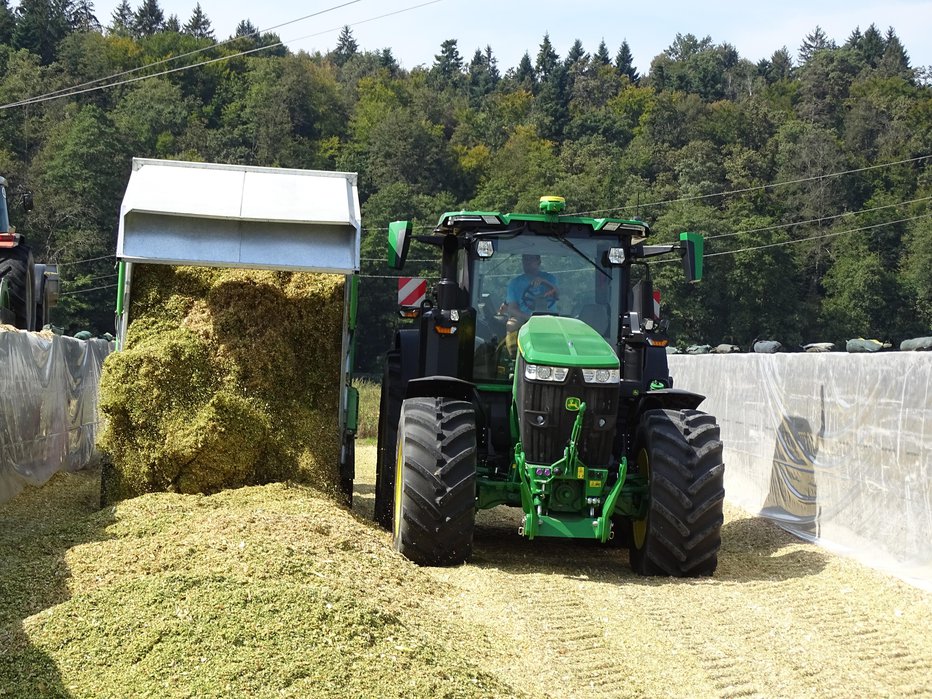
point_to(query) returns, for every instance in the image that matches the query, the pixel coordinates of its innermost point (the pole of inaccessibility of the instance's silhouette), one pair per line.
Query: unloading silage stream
(228, 378)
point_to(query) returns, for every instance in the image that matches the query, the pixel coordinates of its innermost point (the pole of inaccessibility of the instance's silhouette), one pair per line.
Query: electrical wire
(751, 189)
(90, 279)
(78, 262)
(40, 99)
(802, 240)
(67, 90)
(819, 237)
(84, 291)
(817, 220)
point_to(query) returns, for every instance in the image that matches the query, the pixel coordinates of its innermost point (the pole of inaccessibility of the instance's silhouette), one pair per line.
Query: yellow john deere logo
(573, 404)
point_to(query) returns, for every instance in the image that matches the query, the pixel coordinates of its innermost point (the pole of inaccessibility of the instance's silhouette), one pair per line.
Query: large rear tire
(389, 413)
(18, 268)
(435, 483)
(681, 454)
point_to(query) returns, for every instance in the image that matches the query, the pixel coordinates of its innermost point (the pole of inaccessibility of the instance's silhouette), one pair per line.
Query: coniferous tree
(524, 73)
(172, 24)
(121, 21)
(492, 65)
(895, 61)
(577, 54)
(40, 26)
(813, 43)
(624, 63)
(447, 70)
(246, 28)
(601, 55)
(387, 60)
(83, 18)
(7, 23)
(871, 46)
(199, 24)
(547, 60)
(779, 67)
(482, 73)
(347, 46)
(148, 19)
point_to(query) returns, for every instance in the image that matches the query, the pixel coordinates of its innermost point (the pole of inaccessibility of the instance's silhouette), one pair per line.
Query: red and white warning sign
(411, 291)
(656, 303)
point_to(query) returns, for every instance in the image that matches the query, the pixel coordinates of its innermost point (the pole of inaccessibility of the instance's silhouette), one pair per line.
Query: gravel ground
(780, 618)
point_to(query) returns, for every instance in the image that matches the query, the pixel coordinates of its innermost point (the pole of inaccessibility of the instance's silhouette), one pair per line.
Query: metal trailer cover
(217, 215)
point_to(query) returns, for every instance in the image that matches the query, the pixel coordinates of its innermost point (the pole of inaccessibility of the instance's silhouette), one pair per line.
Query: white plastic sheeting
(48, 406)
(835, 448)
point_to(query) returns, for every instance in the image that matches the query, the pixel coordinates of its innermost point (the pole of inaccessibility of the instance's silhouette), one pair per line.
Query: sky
(512, 27)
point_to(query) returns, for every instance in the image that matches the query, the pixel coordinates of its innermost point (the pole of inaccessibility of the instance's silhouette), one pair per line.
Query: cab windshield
(531, 274)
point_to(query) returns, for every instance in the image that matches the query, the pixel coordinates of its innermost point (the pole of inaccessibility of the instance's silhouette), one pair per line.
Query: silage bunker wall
(228, 378)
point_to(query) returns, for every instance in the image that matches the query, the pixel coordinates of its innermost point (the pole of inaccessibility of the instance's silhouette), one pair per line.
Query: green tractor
(536, 377)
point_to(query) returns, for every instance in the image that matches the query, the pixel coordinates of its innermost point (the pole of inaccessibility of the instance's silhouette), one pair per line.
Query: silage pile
(229, 378)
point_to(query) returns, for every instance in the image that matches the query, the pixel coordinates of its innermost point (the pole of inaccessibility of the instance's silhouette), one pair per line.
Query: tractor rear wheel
(435, 481)
(389, 412)
(18, 268)
(680, 453)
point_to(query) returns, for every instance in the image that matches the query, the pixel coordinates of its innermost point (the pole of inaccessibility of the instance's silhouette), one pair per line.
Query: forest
(808, 173)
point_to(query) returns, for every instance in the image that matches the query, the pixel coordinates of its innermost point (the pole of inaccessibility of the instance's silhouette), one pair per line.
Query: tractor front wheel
(435, 481)
(680, 453)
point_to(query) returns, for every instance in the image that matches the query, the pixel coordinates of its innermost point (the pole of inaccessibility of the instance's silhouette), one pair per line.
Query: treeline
(808, 172)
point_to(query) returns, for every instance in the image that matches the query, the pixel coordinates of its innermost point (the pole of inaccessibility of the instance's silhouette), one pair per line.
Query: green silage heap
(228, 378)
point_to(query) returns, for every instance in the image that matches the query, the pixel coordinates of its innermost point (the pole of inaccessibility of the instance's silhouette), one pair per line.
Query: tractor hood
(566, 342)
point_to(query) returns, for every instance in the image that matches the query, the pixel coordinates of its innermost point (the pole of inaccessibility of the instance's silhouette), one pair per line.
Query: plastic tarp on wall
(48, 406)
(835, 448)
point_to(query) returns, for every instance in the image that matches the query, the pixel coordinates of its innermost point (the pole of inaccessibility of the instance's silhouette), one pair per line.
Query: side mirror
(693, 246)
(27, 201)
(399, 239)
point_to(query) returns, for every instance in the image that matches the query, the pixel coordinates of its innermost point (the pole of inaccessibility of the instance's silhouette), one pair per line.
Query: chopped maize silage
(228, 378)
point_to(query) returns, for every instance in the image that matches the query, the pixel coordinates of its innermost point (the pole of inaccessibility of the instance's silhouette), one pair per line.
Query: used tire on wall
(435, 482)
(17, 267)
(389, 412)
(681, 454)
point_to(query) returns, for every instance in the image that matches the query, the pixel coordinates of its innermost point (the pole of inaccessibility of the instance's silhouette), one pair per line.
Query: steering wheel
(529, 299)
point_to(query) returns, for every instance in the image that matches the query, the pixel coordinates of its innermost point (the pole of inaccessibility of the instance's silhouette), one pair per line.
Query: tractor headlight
(601, 376)
(542, 372)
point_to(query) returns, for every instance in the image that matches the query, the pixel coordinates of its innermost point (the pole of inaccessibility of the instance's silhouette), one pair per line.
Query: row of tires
(426, 482)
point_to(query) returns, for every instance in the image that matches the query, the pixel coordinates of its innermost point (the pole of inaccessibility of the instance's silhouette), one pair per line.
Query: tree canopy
(807, 173)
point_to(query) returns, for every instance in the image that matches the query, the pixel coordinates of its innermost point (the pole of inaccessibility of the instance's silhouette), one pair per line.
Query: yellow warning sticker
(580, 472)
(595, 484)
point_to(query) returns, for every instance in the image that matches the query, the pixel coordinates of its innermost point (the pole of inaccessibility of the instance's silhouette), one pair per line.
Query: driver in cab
(532, 291)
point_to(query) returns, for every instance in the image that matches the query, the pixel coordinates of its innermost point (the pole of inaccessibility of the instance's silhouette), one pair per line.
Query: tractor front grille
(545, 423)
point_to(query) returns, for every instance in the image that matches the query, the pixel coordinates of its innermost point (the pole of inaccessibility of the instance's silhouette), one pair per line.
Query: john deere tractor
(536, 377)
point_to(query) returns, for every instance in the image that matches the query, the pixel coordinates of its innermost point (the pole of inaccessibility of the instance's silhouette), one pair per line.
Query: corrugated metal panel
(215, 215)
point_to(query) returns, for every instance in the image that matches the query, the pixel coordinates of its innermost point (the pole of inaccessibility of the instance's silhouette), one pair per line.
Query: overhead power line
(78, 262)
(821, 219)
(84, 291)
(819, 237)
(744, 190)
(65, 91)
(803, 240)
(93, 87)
